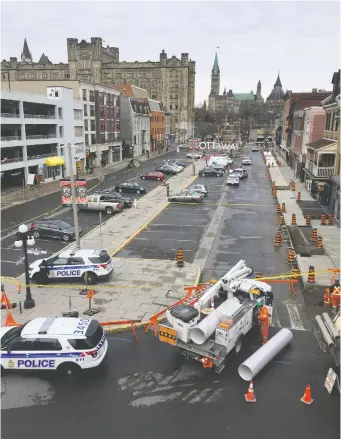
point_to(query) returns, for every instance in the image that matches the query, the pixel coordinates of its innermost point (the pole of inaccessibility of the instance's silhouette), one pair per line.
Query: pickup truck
(102, 203)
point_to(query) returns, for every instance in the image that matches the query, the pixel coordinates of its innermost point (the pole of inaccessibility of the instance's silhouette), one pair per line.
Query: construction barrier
(323, 220)
(121, 325)
(295, 272)
(330, 220)
(308, 220)
(278, 239)
(319, 242)
(274, 193)
(293, 186)
(283, 208)
(278, 208)
(281, 220)
(180, 258)
(306, 398)
(293, 220)
(314, 235)
(298, 198)
(311, 275)
(291, 256)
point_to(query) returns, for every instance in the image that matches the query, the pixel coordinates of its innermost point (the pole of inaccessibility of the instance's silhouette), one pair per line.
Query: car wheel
(66, 237)
(36, 234)
(69, 370)
(91, 278)
(137, 192)
(143, 178)
(40, 279)
(109, 210)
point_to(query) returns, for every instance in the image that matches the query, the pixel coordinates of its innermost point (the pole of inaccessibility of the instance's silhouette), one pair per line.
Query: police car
(84, 263)
(65, 344)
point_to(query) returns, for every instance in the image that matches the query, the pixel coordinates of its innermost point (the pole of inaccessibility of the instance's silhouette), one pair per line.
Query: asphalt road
(12, 259)
(149, 390)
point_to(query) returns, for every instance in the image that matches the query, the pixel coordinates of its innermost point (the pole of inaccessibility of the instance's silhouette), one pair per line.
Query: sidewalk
(22, 196)
(138, 288)
(330, 234)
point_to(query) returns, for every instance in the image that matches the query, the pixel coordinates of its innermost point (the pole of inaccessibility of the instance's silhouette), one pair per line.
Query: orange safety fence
(123, 322)
(291, 283)
(335, 271)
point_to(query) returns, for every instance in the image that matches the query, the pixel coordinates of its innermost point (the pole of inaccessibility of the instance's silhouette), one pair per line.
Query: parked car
(53, 228)
(187, 196)
(200, 188)
(167, 170)
(111, 194)
(153, 176)
(131, 187)
(254, 149)
(176, 167)
(232, 180)
(207, 171)
(183, 146)
(246, 161)
(102, 203)
(175, 162)
(241, 173)
(196, 155)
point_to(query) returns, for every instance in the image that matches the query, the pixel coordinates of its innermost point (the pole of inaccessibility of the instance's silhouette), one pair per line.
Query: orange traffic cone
(250, 396)
(10, 320)
(306, 398)
(5, 300)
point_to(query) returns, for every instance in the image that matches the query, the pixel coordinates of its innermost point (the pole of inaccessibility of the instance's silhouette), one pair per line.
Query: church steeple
(26, 54)
(278, 82)
(215, 77)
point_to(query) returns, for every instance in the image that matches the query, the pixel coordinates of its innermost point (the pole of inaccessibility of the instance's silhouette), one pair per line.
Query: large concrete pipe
(330, 326)
(325, 334)
(200, 333)
(265, 354)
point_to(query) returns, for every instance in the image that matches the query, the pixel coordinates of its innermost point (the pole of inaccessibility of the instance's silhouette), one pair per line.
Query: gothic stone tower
(215, 85)
(85, 59)
(259, 90)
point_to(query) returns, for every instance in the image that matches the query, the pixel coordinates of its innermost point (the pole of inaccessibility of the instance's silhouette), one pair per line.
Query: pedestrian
(326, 297)
(335, 296)
(264, 320)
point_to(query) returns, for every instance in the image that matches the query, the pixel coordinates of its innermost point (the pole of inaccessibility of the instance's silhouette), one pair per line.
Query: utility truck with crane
(215, 323)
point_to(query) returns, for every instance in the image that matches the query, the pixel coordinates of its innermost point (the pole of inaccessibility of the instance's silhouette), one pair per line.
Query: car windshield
(11, 336)
(64, 224)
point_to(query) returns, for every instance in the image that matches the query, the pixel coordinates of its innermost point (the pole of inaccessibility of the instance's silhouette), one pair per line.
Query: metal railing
(9, 138)
(41, 156)
(321, 171)
(14, 115)
(17, 159)
(47, 136)
(40, 116)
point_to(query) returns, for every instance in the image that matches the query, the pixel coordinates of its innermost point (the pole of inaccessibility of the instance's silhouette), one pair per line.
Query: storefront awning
(54, 161)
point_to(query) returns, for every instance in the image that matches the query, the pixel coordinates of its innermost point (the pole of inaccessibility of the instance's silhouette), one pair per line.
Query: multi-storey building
(101, 111)
(35, 131)
(168, 80)
(157, 126)
(135, 126)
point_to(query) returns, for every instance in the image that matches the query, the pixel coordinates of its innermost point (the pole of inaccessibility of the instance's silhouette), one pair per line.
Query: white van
(223, 161)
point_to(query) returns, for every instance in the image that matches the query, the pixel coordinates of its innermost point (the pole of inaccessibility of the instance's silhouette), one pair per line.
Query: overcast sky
(256, 39)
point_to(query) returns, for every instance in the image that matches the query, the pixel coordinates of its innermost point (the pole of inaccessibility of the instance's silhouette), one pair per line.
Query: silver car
(200, 188)
(233, 180)
(186, 197)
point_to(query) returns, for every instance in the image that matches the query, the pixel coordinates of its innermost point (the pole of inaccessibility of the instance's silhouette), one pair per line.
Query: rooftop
(321, 143)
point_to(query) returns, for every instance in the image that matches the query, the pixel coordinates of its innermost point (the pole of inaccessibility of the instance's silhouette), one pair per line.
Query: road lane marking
(167, 239)
(294, 316)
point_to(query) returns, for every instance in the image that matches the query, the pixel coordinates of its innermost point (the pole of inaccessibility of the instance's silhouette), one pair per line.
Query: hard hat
(259, 304)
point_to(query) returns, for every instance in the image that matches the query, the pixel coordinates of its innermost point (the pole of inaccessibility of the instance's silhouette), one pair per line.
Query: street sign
(331, 379)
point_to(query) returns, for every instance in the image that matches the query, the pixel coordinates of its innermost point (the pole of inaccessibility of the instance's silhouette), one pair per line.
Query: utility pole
(74, 198)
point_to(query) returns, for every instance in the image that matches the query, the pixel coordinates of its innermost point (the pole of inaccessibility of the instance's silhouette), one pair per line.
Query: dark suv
(211, 171)
(51, 228)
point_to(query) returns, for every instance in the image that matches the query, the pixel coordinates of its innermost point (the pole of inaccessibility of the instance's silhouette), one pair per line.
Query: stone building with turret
(168, 80)
(275, 100)
(228, 101)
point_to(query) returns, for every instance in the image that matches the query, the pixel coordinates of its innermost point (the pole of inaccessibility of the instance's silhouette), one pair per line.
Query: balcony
(10, 138)
(331, 135)
(39, 116)
(41, 156)
(36, 136)
(10, 164)
(11, 115)
(319, 171)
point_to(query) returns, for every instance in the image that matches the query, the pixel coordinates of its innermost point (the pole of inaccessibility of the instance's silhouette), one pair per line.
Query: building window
(176, 107)
(55, 75)
(171, 107)
(87, 139)
(61, 134)
(33, 76)
(93, 139)
(91, 96)
(102, 138)
(44, 76)
(84, 95)
(93, 125)
(67, 75)
(102, 128)
(78, 131)
(336, 125)
(86, 125)
(60, 113)
(101, 113)
(92, 111)
(85, 110)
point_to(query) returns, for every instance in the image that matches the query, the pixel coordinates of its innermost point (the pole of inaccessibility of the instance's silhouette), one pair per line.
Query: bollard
(314, 235)
(311, 275)
(298, 198)
(274, 193)
(293, 186)
(323, 220)
(278, 208)
(180, 258)
(281, 220)
(283, 208)
(295, 272)
(331, 220)
(278, 239)
(293, 219)
(291, 256)
(319, 242)
(308, 220)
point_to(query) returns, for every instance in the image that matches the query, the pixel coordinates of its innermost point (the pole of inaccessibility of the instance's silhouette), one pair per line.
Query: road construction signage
(331, 379)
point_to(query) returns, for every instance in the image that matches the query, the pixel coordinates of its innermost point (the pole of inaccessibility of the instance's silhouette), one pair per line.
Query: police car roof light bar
(45, 326)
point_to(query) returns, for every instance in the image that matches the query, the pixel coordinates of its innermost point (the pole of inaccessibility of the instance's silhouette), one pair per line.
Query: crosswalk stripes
(287, 315)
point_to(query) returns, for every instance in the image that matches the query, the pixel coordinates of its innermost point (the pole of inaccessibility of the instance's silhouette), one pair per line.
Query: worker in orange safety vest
(335, 295)
(264, 320)
(326, 297)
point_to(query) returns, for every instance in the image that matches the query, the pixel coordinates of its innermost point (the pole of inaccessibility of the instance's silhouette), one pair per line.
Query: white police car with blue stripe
(87, 264)
(65, 344)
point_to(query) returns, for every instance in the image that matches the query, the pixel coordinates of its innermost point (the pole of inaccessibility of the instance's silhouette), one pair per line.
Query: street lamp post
(25, 239)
